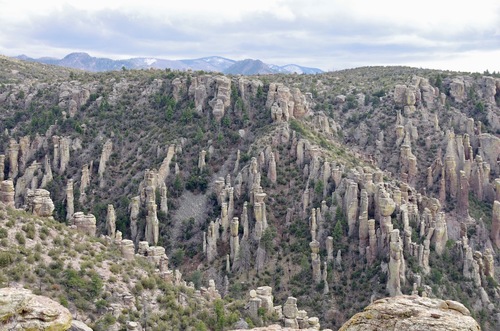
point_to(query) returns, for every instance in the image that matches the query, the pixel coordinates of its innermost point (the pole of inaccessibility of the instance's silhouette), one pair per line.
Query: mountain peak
(84, 61)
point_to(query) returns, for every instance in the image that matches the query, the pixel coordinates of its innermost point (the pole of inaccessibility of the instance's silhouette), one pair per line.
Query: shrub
(6, 259)
(30, 230)
(3, 233)
(20, 238)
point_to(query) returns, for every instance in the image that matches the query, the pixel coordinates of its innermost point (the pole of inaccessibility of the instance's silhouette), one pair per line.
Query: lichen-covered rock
(22, 310)
(412, 313)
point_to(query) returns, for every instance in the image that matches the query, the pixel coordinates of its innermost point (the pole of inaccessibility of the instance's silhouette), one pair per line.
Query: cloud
(323, 33)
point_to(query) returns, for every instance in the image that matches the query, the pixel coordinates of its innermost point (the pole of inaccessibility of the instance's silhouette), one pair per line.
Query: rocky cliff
(335, 190)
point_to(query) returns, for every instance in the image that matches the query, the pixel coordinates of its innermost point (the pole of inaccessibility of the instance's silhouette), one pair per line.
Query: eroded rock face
(22, 310)
(412, 313)
(286, 102)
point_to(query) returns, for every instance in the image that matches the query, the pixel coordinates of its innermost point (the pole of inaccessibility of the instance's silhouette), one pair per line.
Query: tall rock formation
(201, 160)
(106, 153)
(84, 183)
(495, 224)
(111, 221)
(13, 153)
(70, 200)
(163, 198)
(351, 206)
(271, 173)
(134, 217)
(64, 145)
(47, 176)
(234, 242)
(222, 97)
(315, 261)
(2, 167)
(396, 263)
(152, 223)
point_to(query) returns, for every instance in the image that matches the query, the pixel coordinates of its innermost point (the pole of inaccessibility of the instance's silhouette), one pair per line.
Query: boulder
(22, 310)
(79, 326)
(39, 202)
(412, 313)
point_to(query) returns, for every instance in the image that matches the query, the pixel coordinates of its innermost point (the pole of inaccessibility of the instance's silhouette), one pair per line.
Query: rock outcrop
(39, 203)
(22, 310)
(7, 193)
(286, 103)
(412, 313)
(84, 223)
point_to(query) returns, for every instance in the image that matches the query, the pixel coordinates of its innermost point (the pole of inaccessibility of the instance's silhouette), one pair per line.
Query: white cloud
(324, 33)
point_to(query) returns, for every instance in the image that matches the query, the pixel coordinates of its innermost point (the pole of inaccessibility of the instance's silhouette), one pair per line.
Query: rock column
(396, 250)
(351, 206)
(201, 160)
(106, 153)
(64, 154)
(84, 182)
(271, 173)
(329, 249)
(134, 217)
(70, 205)
(371, 253)
(316, 261)
(2, 167)
(463, 197)
(211, 244)
(495, 224)
(13, 153)
(152, 223)
(111, 221)
(234, 240)
(163, 198)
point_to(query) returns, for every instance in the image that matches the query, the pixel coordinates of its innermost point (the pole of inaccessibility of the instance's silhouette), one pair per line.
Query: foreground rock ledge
(22, 310)
(412, 313)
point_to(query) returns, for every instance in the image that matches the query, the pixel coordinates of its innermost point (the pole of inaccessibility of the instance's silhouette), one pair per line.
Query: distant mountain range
(86, 62)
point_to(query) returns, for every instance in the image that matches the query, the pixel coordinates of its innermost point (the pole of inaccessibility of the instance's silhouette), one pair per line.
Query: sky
(327, 34)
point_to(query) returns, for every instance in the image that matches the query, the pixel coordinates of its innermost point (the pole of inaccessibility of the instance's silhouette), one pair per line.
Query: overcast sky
(328, 34)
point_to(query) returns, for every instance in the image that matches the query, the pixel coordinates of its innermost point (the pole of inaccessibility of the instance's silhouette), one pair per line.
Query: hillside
(335, 189)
